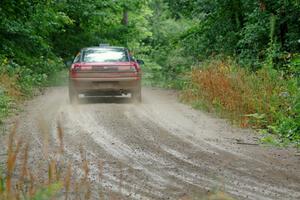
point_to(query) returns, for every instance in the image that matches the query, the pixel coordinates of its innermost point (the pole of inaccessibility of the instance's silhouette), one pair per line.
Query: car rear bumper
(124, 84)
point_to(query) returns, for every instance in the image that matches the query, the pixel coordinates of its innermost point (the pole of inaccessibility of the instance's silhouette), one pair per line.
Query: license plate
(104, 85)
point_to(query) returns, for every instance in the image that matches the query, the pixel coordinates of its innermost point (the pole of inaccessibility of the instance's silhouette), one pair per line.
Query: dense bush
(261, 87)
(264, 100)
(251, 31)
(37, 36)
(172, 36)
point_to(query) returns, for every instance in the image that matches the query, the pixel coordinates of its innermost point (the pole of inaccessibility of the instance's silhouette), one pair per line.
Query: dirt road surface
(160, 149)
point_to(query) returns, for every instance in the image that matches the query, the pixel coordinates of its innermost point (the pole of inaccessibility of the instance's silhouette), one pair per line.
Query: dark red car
(105, 70)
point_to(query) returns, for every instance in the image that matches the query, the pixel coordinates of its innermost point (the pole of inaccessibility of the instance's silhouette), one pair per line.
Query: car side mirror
(68, 63)
(141, 62)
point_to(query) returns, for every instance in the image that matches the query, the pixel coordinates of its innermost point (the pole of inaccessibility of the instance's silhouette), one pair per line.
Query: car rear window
(104, 55)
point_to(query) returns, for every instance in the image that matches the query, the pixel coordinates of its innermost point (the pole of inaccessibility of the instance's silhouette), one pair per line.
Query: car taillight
(137, 67)
(74, 68)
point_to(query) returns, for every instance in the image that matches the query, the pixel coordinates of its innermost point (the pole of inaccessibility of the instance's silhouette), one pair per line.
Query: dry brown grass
(11, 159)
(221, 86)
(60, 134)
(10, 84)
(23, 182)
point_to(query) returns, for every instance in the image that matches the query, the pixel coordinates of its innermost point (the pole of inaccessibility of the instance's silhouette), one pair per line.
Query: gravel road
(160, 149)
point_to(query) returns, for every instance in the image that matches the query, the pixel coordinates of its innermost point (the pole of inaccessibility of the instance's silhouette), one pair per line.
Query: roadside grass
(19, 181)
(154, 76)
(20, 82)
(265, 100)
(59, 78)
(10, 94)
(13, 91)
(5, 105)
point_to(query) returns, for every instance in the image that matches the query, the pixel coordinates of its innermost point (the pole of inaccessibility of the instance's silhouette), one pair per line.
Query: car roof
(104, 47)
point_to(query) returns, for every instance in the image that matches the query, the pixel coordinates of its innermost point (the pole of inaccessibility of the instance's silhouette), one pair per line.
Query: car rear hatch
(104, 70)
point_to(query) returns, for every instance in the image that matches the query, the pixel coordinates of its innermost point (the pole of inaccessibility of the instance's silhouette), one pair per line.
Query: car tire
(136, 95)
(73, 94)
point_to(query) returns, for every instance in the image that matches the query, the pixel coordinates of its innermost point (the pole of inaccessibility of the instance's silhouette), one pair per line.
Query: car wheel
(137, 96)
(73, 95)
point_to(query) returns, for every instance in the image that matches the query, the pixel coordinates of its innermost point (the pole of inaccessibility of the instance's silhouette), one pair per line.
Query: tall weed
(19, 82)
(264, 100)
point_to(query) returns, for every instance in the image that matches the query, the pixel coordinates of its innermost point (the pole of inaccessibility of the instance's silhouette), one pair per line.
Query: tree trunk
(125, 17)
(283, 27)
(262, 5)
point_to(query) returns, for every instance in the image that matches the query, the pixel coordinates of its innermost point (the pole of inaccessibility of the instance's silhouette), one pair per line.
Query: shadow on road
(105, 100)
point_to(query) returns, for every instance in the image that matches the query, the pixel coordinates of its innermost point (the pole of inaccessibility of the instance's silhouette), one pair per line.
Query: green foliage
(288, 122)
(2, 181)
(48, 192)
(5, 102)
(36, 36)
(165, 58)
(265, 100)
(58, 79)
(172, 36)
(262, 36)
(244, 29)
